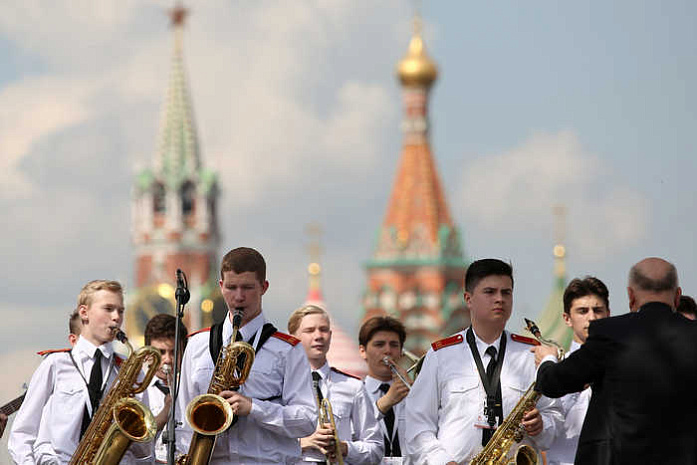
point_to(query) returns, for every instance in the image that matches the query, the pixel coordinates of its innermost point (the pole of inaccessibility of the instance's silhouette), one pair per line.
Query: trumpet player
(67, 387)
(275, 405)
(378, 338)
(160, 334)
(357, 430)
(471, 381)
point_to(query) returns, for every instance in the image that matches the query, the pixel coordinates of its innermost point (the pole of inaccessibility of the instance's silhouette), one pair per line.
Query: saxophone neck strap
(215, 341)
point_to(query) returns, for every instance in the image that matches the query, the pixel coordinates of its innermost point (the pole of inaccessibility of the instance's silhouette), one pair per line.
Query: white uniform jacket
(47, 427)
(354, 418)
(372, 385)
(448, 399)
(280, 385)
(575, 405)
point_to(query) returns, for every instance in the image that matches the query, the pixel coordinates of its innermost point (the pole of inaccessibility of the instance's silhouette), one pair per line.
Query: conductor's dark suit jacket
(642, 368)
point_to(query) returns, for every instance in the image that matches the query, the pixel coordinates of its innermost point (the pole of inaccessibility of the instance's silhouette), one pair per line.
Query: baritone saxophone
(120, 419)
(209, 414)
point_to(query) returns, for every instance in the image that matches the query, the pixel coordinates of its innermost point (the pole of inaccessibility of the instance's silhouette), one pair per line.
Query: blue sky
(590, 105)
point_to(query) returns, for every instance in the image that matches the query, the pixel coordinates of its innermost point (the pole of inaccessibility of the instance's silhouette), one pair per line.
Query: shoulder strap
(266, 332)
(215, 340)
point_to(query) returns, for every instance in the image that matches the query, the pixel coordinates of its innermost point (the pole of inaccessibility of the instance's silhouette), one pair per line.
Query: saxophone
(498, 450)
(209, 414)
(120, 418)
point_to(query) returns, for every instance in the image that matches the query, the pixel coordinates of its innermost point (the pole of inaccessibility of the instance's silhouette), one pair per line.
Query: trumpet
(167, 370)
(393, 366)
(327, 416)
(416, 362)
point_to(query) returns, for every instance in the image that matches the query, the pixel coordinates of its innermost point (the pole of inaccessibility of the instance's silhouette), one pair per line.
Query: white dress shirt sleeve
(187, 391)
(422, 405)
(367, 445)
(26, 425)
(296, 414)
(551, 411)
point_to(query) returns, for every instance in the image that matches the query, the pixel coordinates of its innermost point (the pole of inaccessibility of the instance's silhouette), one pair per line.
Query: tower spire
(174, 211)
(416, 270)
(178, 156)
(550, 319)
(314, 269)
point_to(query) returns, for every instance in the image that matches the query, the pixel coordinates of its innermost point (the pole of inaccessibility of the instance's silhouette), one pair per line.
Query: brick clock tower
(174, 221)
(417, 269)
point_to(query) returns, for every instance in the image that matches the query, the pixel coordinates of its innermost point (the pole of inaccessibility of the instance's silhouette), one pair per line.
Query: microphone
(182, 294)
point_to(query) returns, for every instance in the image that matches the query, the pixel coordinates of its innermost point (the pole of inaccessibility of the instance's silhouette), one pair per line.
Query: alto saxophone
(209, 414)
(498, 450)
(120, 419)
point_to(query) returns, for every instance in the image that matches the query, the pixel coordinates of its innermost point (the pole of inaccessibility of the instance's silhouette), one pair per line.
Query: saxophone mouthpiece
(120, 335)
(532, 327)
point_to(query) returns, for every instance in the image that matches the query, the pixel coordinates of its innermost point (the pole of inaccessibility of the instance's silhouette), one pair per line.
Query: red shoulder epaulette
(292, 340)
(525, 340)
(448, 341)
(52, 351)
(199, 331)
(346, 374)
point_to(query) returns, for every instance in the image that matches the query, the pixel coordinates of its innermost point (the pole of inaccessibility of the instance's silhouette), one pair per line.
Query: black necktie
(392, 448)
(94, 388)
(491, 351)
(161, 386)
(316, 377)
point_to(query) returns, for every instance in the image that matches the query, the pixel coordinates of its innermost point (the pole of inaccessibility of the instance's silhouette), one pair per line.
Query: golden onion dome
(417, 68)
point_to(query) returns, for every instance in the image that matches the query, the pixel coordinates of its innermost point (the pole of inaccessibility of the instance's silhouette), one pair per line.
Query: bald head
(653, 280)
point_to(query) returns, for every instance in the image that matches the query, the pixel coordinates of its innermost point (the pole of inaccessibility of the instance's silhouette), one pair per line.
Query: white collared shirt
(575, 405)
(157, 403)
(283, 405)
(47, 427)
(447, 401)
(354, 418)
(372, 385)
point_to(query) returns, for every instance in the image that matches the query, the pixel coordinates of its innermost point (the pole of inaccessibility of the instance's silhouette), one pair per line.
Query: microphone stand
(182, 295)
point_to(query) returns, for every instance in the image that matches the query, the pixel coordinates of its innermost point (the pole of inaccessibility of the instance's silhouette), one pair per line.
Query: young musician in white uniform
(451, 413)
(160, 334)
(63, 394)
(356, 426)
(381, 337)
(275, 406)
(585, 300)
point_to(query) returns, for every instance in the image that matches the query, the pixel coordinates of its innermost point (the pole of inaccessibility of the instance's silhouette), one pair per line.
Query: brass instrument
(209, 414)
(416, 362)
(326, 415)
(393, 366)
(120, 418)
(498, 450)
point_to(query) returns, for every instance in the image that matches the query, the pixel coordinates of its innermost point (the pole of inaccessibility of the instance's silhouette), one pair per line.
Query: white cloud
(32, 110)
(502, 192)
